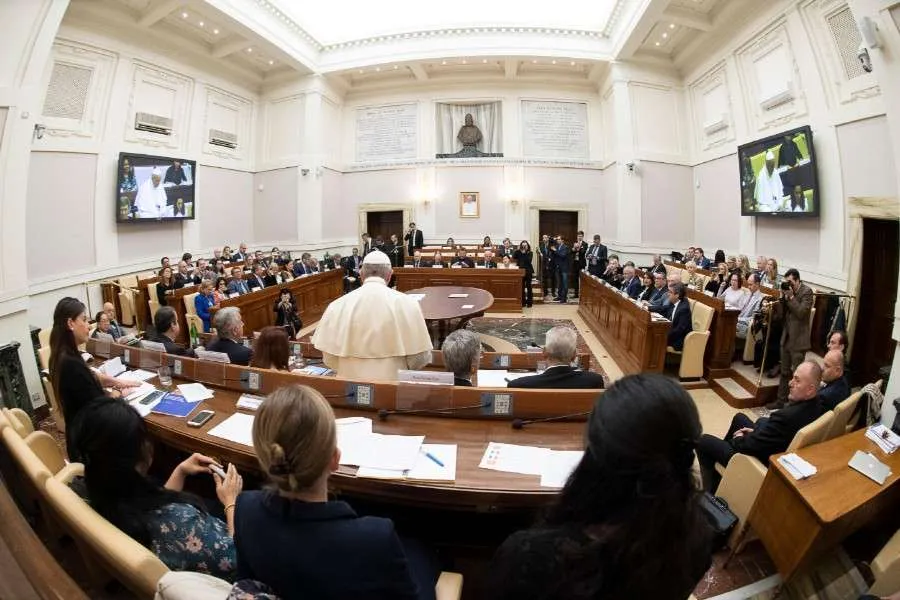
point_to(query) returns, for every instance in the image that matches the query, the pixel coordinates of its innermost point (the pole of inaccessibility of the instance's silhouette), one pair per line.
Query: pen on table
(434, 458)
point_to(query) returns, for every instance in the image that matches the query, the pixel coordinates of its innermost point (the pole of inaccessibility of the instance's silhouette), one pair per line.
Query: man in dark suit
(563, 264)
(165, 322)
(352, 265)
(229, 330)
(237, 285)
(462, 352)
(658, 266)
(257, 280)
(368, 244)
(414, 240)
(241, 254)
(462, 260)
(836, 388)
(579, 254)
(418, 262)
(333, 261)
(769, 435)
(679, 312)
(701, 259)
(796, 303)
(659, 297)
(560, 348)
(488, 262)
(632, 283)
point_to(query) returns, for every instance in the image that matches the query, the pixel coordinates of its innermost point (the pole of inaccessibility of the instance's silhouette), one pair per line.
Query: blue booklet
(174, 405)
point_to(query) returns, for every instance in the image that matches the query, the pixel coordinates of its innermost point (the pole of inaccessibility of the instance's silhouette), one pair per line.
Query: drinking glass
(165, 376)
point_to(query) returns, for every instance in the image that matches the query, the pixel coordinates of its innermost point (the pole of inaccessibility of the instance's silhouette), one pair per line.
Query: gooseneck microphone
(384, 413)
(521, 423)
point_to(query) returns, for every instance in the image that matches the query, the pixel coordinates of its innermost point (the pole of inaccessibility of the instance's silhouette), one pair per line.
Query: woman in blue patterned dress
(113, 443)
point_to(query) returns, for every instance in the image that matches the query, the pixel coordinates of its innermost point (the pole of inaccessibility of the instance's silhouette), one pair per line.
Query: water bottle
(194, 340)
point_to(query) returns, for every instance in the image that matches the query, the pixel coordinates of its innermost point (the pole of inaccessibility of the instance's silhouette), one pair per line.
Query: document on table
(140, 391)
(458, 296)
(113, 367)
(797, 467)
(249, 402)
(390, 452)
(886, 439)
(511, 458)
(498, 377)
(426, 467)
(467, 306)
(237, 428)
(137, 375)
(352, 433)
(195, 392)
(557, 467)
(417, 297)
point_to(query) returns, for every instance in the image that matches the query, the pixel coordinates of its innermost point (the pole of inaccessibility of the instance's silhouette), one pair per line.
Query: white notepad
(557, 467)
(511, 458)
(458, 296)
(237, 428)
(425, 469)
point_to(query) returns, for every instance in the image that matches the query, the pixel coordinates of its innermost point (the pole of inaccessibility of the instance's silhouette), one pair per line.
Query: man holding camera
(796, 302)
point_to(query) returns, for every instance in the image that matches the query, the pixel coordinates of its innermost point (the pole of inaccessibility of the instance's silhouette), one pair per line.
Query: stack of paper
(510, 458)
(113, 367)
(886, 439)
(249, 401)
(237, 428)
(435, 462)
(498, 377)
(557, 467)
(140, 391)
(137, 375)
(797, 467)
(195, 392)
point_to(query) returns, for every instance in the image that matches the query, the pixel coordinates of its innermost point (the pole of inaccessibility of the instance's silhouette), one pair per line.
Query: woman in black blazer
(293, 538)
(165, 286)
(523, 257)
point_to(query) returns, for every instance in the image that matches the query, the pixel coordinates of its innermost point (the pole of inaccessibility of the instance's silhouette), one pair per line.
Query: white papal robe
(373, 332)
(151, 200)
(769, 190)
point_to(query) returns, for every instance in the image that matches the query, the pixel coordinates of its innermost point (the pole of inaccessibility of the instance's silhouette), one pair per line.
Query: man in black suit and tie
(679, 312)
(419, 262)
(237, 285)
(462, 260)
(351, 270)
(488, 262)
(632, 283)
(596, 257)
(560, 348)
(462, 352)
(768, 435)
(414, 240)
(256, 280)
(229, 331)
(658, 266)
(368, 244)
(579, 254)
(659, 297)
(241, 254)
(836, 388)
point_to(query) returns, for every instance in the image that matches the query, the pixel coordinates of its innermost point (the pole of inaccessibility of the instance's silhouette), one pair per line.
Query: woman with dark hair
(628, 523)
(523, 257)
(117, 453)
(101, 319)
(734, 295)
(165, 286)
(271, 350)
(286, 314)
(719, 257)
(487, 244)
(647, 288)
(74, 385)
(220, 292)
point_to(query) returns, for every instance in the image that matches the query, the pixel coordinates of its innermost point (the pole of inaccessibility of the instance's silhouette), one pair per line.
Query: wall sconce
(514, 202)
(426, 202)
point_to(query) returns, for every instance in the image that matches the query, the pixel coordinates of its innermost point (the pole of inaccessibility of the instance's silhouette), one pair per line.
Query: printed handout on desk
(458, 296)
(511, 458)
(352, 433)
(884, 438)
(557, 467)
(137, 375)
(194, 392)
(498, 377)
(237, 428)
(464, 306)
(436, 462)
(140, 391)
(249, 402)
(113, 367)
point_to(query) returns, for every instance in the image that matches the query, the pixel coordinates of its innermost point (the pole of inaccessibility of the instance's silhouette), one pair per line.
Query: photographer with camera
(796, 302)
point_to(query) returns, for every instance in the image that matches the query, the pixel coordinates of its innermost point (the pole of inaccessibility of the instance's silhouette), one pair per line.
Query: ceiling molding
(687, 18)
(158, 11)
(511, 68)
(419, 71)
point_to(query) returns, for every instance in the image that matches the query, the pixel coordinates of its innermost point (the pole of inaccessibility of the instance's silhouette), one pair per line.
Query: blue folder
(174, 405)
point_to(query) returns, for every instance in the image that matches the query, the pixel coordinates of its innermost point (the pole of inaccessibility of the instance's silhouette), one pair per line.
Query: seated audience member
(461, 260)
(837, 340)
(488, 262)
(271, 350)
(719, 280)
(771, 278)
(487, 243)
(506, 248)
(418, 262)
(217, 255)
(647, 288)
(203, 301)
(658, 266)
(226, 254)
(731, 264)
(164, 262)
(272, 277)
(438, 260)
(560, 349)
(293, 538)
(506, 263)
(835, 388)
(614, 274)
(200, 269)
(695, 279)
(631, 283)
(678, 310)
(165, 286)
(183, 277)
(166, 327)
(760, 267)
(117, 453)
(744, 266)
(754, 299)
(220, 291)
(334, 261)
(768, 435)
(628, 523)
(450, 242)
(700, 259)
(240, 254)
(462, 352)
(257, 281)
(735, 296)
(718, 259)
(658, 297)
(286, 314)
(115, 329)
(101, 329)
(238, 285)
(287, 271)
(187, 257)
(312, 264)
(229, 333)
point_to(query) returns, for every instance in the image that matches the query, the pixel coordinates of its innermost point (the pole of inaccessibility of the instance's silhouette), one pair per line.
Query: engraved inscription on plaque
(554, 129)
(386, 132)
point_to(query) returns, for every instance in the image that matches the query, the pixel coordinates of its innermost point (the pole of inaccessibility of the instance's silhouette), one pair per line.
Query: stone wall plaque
(386, 132)
(554, 129)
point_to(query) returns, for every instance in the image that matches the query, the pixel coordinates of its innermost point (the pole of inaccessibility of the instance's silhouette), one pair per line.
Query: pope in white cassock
(769, 189)
(151, 197)
(373, 331)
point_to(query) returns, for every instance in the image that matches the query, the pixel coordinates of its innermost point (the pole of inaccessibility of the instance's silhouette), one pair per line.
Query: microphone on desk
(384, 413)
(521, 423)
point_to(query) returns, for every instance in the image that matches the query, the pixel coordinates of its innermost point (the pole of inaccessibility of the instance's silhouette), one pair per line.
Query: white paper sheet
(557, 467)
(458, 296)
(138, 375)
(498, 377)
(237, 428)
(511, 458)
(352, 433)
(377, 451)
(113, 367)
(426, 469)
(140, 391)
(467, 306)
(195, 392)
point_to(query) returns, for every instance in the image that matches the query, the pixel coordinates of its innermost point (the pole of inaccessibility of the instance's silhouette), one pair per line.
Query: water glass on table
(165, 376)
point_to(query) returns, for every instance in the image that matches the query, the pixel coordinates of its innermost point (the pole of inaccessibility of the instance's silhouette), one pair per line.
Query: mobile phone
(217, 470)
(201, 418)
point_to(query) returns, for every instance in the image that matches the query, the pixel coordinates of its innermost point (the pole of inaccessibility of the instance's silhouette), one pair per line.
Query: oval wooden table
(448, 314)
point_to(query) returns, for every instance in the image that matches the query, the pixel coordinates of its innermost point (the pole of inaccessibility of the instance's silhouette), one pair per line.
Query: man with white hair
(373, 331)
(631, 285)
(115, 329)
(151, 198)
(462, 351)
(769, 189)
(560, 350)
(229, 332)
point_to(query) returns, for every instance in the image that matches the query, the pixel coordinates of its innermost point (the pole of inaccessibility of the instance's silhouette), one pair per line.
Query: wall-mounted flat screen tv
(778, 176)
(155, 188)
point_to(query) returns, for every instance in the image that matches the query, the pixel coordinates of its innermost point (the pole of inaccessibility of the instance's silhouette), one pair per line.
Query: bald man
(835, 387)
(115, 329)
(768, 435)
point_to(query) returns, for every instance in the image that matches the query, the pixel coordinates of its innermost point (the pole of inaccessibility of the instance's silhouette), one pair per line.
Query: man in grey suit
(796, 302)
(560, 350)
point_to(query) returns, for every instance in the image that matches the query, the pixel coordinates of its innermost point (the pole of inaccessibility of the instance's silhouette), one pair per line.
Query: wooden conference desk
(632, 338)
(505, 285)
(313, 294)
(798, 521)
(474, 489)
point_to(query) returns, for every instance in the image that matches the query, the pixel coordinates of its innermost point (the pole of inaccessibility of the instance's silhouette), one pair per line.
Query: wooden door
(873, 347)
(559, 222)
(384, 223)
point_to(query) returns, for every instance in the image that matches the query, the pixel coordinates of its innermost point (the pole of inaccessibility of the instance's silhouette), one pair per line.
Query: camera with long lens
(785, 286)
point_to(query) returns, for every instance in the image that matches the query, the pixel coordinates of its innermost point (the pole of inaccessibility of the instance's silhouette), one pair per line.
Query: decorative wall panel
(165, 94)
(711, 108)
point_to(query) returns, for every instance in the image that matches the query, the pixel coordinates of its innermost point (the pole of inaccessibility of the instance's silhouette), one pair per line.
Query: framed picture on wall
(469, 205)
